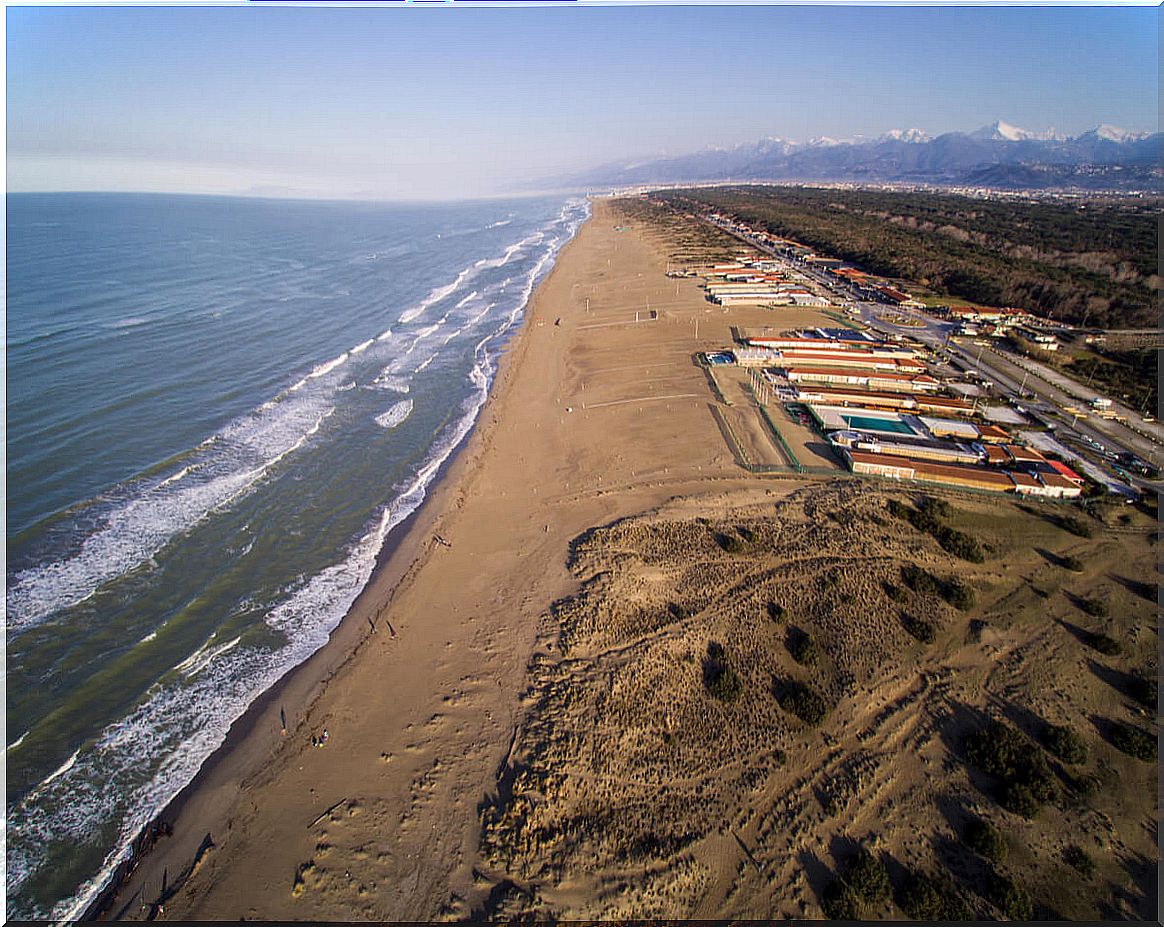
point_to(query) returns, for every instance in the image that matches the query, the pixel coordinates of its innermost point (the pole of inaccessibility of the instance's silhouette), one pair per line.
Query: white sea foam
(395, 415)
(389, 378)
(136, 528)
(512, 251)
(173, 479)
(424, 333)
(436, 295)
(471, 296)
(363, 346)
(320, 370)
(346, 387)
(58, 772)
(16, 743)
(428, 360)
(470, 272)
(202, 657)
(328, 367)
(125, 771)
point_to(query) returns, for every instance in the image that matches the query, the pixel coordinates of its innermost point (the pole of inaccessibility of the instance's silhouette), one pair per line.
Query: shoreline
(258, 731)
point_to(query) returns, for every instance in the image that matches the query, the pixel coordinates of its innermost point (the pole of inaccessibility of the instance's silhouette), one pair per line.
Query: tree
(803, 648)
(1076, 857)
(923, 630)
(1001, 751)
(925, 898)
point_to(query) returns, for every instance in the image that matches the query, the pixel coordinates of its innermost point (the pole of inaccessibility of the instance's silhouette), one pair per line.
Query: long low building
(755, 357)
(842, 358)
(992, 434)
(916, 448)
(903, 468)
(875, 399)
(1059, 486)
(762, 297)
(1047, 485)
(794, 343)
(871, 379)
(950, 428)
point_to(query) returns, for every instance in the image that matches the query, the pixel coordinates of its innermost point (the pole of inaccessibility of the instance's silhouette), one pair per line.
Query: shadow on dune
(1149, 592)
(816, 873)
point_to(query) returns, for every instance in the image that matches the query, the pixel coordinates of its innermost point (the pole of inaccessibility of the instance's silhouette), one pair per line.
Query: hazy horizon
(457, 103)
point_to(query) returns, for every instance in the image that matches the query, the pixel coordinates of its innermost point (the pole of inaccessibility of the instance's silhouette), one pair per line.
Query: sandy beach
(516, 717)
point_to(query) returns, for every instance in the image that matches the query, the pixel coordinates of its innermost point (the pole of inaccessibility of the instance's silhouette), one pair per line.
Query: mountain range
(999, 155)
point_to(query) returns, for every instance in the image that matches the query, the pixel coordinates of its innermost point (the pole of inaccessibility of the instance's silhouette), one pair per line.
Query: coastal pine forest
(1092, 263)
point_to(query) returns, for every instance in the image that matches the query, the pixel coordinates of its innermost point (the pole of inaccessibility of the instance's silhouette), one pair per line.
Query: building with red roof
(1066, 472)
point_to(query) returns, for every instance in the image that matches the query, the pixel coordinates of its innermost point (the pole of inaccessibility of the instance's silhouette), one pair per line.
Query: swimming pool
(884, 425)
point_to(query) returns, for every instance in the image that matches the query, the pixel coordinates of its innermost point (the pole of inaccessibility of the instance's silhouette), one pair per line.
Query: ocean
(218, 410)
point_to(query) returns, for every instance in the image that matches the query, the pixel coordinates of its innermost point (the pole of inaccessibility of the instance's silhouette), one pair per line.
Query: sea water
(218, 410)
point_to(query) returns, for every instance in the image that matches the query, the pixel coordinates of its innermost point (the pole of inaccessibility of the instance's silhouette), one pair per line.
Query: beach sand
(530, 728)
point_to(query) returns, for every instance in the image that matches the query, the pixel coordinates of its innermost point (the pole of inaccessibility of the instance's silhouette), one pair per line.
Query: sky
(450, 102)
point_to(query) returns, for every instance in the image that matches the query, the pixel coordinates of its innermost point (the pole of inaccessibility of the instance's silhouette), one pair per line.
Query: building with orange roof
(996, 456)
(1026, 485)
(1024, 455)
(1059, 486)
(882, 399)
(992, 434)
(903, 468)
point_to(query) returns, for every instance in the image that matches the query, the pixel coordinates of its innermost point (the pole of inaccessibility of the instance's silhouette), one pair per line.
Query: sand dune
(635, 792)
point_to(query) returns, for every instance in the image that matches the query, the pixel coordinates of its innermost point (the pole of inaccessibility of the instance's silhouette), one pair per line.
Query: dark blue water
(218, 409)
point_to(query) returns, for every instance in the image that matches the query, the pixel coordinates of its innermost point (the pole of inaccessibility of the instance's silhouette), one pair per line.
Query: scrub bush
(804, 702)
(868, 877)
(985, 840)
(1135, 742)
(1064, 743)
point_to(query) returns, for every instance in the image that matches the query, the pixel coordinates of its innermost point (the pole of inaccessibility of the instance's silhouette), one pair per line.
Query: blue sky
(449, 102)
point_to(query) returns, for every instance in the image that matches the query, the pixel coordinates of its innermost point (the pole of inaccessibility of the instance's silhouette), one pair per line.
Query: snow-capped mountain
(913, 136)
(1000, 131)
(1109, 133)
(1001, 154)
